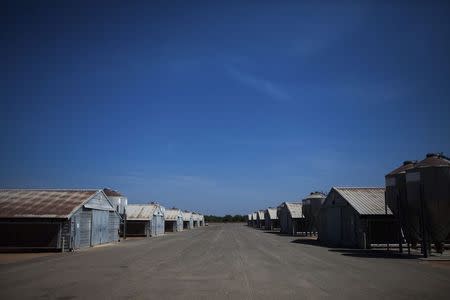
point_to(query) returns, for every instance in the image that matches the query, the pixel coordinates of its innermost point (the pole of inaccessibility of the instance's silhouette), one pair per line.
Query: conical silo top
(407, 164)
(434, 160)
(315, 195)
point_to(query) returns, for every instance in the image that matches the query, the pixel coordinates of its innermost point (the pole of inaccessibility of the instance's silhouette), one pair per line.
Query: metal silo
(428, 192)
(310, 209)
(397, 201)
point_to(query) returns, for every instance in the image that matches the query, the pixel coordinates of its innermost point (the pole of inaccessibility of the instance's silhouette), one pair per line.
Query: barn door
(334, 225)
(99, 228)
(105, 226)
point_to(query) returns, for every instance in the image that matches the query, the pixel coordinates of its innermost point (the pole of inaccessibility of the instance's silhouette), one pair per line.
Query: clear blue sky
(220, 108)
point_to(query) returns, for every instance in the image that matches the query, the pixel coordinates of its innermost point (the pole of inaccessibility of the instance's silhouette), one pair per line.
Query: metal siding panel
(105, 228)
(76, 239)
(95, 228)
(153, 226)
(85, 227)
(160, 230)
(99, 202)
(114, 224)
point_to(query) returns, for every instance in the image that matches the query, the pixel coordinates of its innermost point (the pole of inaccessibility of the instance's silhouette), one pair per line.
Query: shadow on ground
(277, 233)
(366, 253)
(373, 253)
(287, 234)
(309, 241)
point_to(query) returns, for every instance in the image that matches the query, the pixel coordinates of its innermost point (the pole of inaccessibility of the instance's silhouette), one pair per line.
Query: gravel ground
(223, 261)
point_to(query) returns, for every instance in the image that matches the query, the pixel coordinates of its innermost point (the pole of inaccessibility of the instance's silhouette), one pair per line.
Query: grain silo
(311, 208)
(428, 192)
(397, 201)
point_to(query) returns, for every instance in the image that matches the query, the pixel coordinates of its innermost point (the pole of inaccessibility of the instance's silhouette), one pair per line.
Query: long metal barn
(271, 218)
(195, 219)
(188, 222)
(291, 217)
(145, 220)
(254, 219)
(260, 219)
(173, 220)
(356, 217)
(56, 219)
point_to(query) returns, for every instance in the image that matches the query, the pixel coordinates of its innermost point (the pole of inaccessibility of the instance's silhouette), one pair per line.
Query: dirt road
(222, 262)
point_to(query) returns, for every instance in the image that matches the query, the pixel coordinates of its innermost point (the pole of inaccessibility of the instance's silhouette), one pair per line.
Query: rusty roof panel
(26, 203)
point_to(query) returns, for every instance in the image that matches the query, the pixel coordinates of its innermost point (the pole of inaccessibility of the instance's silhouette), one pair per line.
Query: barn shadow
(374, 253)
(277, 233)
(309, 241)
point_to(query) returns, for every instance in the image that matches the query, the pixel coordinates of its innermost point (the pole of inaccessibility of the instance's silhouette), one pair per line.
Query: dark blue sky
(220, 108)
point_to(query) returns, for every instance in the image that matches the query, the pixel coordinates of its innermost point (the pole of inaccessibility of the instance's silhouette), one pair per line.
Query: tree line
(225, 219)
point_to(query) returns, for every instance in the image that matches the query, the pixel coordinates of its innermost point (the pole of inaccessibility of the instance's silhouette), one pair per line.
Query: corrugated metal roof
(172, 214)
(366, 201)
(24, 203)
(140, 212)
(260, 214)
(295, 209)
(187, 215)
(195, 216)
(272, 213)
